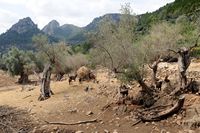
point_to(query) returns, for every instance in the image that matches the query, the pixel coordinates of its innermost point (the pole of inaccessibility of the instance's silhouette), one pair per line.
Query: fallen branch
(75, 123)
(166, 113)
(155, 107)
(26, 97)
(106, 106)
(137, 122)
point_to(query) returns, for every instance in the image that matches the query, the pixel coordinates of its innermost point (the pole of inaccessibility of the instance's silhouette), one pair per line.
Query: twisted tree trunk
(45, 84)
(183, 64)
(154, 68)
(23, 78)
(59, 76)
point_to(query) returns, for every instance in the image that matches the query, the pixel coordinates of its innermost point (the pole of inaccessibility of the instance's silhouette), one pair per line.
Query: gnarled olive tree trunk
(183, 64)
(45, 84)
(23, 78)
(59, 76)
(154, 68)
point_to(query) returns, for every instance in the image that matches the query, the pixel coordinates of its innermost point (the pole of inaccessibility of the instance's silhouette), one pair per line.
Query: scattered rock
(136, 128)
(178, 122)
(189, 131)
(117, 118)
(79, 132)
(101, 122)
(73, 111)
(89, 113)
(106, 131)
(115, 131)
(55, 128)
(163, 131)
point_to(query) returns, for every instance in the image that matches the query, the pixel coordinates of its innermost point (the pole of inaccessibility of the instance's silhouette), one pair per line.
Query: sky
(77, 12)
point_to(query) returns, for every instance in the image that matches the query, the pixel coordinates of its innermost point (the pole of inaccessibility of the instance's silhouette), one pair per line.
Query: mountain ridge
(21, 33)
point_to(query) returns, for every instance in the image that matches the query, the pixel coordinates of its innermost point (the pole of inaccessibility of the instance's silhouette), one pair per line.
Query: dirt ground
(71, 103)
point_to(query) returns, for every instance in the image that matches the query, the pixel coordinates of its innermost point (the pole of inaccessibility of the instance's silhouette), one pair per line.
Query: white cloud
(78, 12)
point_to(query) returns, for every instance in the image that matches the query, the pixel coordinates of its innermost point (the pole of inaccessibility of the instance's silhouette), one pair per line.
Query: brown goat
(72, 78)
(92, 77)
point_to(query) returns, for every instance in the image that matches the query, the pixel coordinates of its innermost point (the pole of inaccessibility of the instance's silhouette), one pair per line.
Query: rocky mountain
(64, 32)
(51, 27)
(115, 17)
(20, 35)
(73, 34)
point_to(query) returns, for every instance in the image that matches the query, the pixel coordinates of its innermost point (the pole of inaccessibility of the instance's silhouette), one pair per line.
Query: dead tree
(183, 63)
(45, 84)
(154, 68)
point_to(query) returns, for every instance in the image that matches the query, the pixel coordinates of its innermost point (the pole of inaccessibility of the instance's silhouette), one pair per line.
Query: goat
(72, 78)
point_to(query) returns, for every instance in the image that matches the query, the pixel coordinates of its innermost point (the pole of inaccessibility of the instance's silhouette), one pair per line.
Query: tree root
(165, 114)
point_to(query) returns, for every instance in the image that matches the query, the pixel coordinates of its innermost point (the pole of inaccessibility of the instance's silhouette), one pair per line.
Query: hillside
(21, 33)
(64, 32)
(170, 12)
(73, 34)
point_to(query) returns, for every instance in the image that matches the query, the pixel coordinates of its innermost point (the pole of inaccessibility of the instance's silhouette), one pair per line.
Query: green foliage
(170, 13)
(82, 48)
(61, 57)
(18, 61)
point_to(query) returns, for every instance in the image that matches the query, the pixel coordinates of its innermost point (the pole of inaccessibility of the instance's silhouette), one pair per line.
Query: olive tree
(113, 42)
(54, 57)
(19, 62)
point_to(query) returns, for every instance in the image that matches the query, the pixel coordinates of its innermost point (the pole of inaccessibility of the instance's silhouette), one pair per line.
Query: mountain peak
(51, 27)
(23, 25)
(54, 23)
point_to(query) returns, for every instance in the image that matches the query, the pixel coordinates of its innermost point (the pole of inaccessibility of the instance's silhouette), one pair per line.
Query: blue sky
(77, 12)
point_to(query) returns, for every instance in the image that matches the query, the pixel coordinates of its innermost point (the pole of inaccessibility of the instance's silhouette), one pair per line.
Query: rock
(136, 128)
(127, 118)
(79, 132)
(88, 124)
(117, 118)
(115, 108)
(163, 131)
(55, 128)
(189, 131)
(117, 125)
(146, 123)
(178, 122)
(101, 122)
(89, 113)
(115, 131)
(106, 131)
(111, 121)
